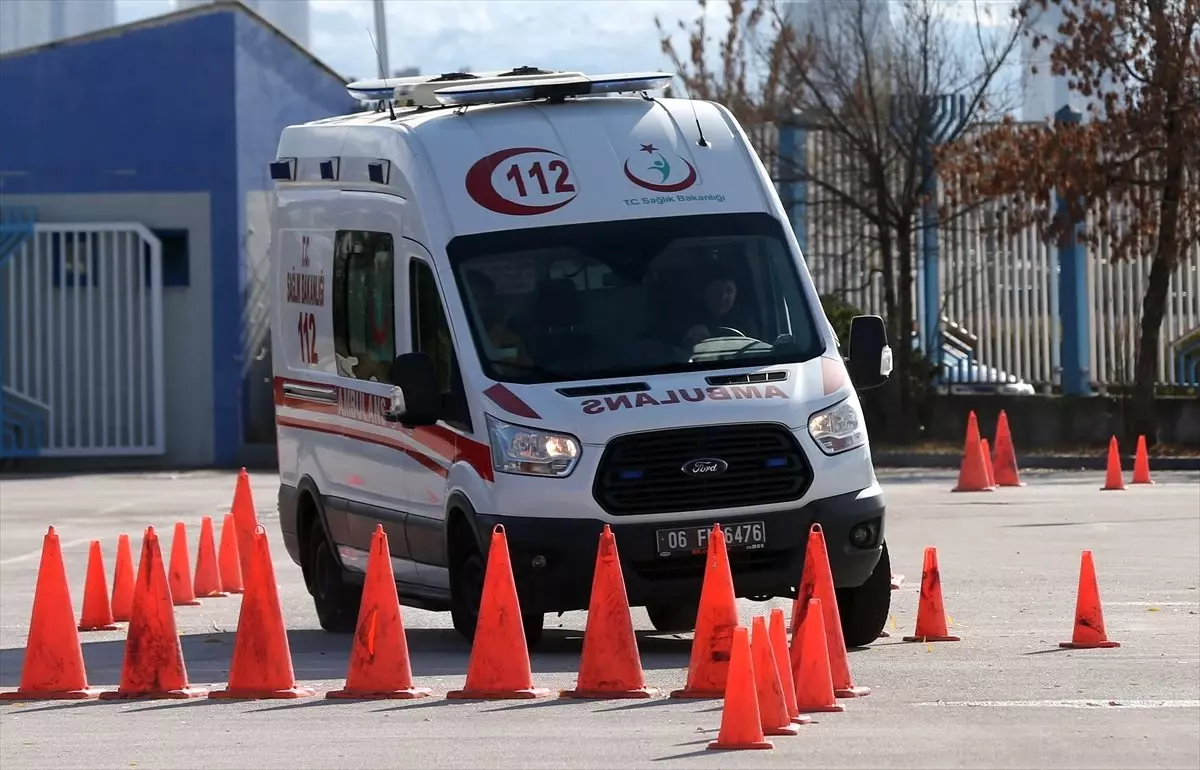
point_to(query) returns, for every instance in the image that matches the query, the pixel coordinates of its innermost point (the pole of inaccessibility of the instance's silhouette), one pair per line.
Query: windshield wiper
(533, 369)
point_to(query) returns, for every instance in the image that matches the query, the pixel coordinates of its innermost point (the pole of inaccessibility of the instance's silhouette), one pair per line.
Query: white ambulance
(553, 301)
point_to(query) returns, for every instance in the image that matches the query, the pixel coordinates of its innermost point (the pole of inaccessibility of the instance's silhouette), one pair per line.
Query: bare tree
(1135, 164)
(876, 93)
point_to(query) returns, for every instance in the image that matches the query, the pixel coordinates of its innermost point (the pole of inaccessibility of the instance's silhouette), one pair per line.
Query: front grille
(642, 473)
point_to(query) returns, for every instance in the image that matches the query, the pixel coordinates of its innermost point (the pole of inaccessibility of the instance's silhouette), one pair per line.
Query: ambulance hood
(595, 411)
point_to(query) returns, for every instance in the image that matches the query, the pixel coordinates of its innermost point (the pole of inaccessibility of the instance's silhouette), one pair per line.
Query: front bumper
(568, 547)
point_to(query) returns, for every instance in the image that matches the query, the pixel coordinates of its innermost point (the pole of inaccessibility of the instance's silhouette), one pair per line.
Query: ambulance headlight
(530, 452)
(838, 429)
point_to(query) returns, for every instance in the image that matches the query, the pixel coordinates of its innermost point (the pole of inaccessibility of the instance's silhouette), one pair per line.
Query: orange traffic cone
(931, 615)
(229, 565)
(122, 592)
(610, 666)
(262, 659)
(1141, 464)
(245, 521)
(499, 665)
(772, 704)
(207, 582)
(1004, 461)
(180, 576)
(972, 475)
(153, 666)
(1089, 616)
(53, 667)
(741, 723)
(1113, 479)
(986, 451)
(816, 581)
(379, 665)
(779, 647)
(97, 612)
(708, 668)
(810, 665)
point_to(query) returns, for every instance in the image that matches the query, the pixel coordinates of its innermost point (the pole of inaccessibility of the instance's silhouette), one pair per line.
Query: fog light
(539, 561)
(862, 536)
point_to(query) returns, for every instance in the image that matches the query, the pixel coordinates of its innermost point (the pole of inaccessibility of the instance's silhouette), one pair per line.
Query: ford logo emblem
(705, 466)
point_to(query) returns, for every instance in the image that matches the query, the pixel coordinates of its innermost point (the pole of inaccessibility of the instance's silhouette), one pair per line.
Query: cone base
(233, 591)
(187, 602)
(932, 639)
(1147, 481)
(183, 694)
(1018, 484)
(410, 693)
(91, 692)
(973, 489)
(788, 729)
(802, 720)
(833, 708)
(692, 694)
(586, 694)
(104, 627)
(717, 745)
(1089, 645)
(852, 692)
(211, 595)
(524, 694)
(244, 694)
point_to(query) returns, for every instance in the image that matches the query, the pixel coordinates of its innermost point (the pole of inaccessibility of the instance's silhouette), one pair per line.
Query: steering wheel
(736, 333)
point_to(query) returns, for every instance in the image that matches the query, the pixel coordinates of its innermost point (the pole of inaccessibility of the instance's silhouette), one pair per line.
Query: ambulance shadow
(320, 655)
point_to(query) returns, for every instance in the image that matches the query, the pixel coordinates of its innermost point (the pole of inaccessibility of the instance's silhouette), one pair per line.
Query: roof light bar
(561, 86)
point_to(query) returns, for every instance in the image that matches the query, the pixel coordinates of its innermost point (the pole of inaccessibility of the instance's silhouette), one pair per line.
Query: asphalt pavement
(1005, 696)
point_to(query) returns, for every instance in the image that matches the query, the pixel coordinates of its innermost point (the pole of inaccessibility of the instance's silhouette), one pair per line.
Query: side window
(431, 335)
(364, 302)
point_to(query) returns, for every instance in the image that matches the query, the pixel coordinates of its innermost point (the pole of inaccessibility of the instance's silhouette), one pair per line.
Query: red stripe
(441, 440)
(510, 402)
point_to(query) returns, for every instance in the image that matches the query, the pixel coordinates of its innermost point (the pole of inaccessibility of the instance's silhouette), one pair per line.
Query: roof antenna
(688, 92)
(382, 72)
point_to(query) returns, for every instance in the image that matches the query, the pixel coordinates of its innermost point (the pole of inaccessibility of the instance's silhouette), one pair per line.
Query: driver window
(431, 335)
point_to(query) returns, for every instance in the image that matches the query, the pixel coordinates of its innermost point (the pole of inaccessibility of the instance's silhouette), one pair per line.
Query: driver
(715, 311)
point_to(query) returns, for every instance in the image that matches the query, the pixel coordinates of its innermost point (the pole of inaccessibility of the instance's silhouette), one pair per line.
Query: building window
(431, 335)
(175, 256)
(364, 334)
(80, 258)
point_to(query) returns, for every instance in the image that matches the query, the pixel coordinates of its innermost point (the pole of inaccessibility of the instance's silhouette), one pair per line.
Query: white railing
(1002, 288)
(82, 342)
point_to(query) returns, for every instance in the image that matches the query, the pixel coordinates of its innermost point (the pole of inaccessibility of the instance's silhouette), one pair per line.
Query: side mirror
(870, 358)
(415, 396)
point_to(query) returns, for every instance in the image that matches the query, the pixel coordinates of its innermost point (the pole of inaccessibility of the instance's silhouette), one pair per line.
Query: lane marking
(63, 544)
(1070, 704)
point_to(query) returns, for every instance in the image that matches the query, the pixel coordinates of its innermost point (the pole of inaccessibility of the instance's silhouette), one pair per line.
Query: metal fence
(81, 347)
(998, 306)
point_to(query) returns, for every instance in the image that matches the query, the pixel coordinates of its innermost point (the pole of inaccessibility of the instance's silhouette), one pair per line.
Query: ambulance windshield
(631, 298)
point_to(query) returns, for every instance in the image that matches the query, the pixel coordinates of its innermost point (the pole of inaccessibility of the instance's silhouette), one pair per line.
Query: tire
(336, 601)
(864, 610)
(467, 591)
(673, 618)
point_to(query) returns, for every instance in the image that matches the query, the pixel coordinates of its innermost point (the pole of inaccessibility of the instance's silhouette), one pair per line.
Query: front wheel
(467, 594)
(335, 600)
(864, 609)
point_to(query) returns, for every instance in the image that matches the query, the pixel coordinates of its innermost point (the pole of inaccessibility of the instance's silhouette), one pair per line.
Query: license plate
(744, 536)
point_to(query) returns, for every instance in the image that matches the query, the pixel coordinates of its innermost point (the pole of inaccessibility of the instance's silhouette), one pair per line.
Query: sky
(446, 35)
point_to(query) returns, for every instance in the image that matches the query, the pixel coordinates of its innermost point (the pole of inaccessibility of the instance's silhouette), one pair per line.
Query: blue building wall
(277, 86)
(190, 102)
